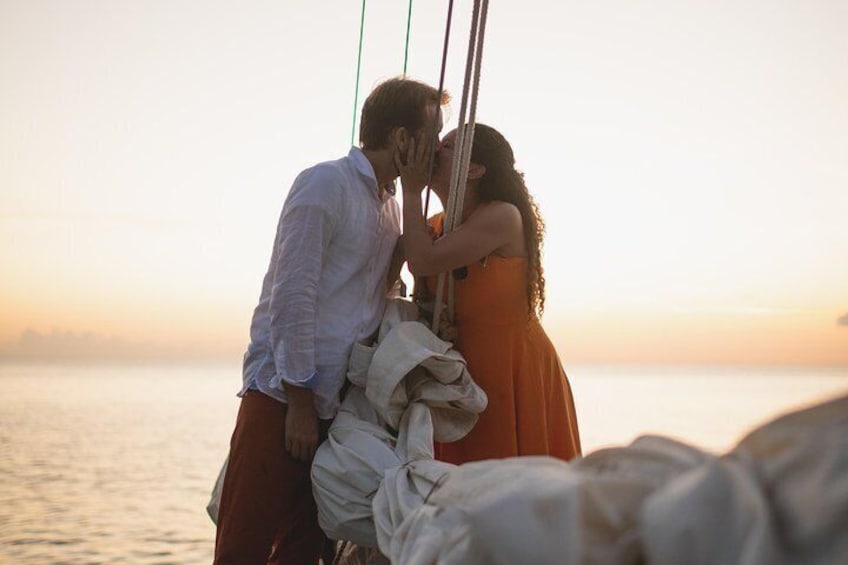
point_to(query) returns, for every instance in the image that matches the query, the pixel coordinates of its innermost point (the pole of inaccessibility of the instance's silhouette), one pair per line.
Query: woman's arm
(491, 227)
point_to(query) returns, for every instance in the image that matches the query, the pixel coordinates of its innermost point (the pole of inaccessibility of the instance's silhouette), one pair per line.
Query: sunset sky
(690, 158)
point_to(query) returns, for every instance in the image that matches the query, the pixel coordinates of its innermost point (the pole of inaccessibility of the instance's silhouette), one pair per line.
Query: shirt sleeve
(304, 232)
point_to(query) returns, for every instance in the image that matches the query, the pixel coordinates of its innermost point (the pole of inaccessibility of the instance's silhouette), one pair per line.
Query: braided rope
(465, 138)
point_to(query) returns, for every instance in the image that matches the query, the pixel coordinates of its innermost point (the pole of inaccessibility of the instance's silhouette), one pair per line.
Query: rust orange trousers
(267, 512)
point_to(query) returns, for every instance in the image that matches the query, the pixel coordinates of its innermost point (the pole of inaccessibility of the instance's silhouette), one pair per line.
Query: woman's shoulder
(497, 214)
(500, 213)
(504, 219)
(502, 209)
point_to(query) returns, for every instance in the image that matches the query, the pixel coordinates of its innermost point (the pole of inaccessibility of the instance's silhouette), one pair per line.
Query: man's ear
(400, 139)
(400, 142)
(476, 171)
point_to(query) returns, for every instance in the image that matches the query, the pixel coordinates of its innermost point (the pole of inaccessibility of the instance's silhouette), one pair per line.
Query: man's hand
(301, 424)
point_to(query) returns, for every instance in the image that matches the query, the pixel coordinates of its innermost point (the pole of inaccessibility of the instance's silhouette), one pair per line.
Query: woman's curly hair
(502, 182)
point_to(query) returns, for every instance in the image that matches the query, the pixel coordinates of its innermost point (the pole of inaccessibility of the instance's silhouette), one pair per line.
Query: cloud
(742, 310)
(69, 346)
(843, 320)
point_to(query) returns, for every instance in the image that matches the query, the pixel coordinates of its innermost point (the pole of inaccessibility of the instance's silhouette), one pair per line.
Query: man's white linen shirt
(325, 288)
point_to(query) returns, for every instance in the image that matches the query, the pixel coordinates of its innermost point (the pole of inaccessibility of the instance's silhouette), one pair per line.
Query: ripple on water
(117, 468)
(113, 470)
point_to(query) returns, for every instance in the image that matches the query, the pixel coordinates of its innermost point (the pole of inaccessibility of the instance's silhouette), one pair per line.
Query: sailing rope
(359, 62)
(465, 133)
(406, 47)
(464, 140)
(358, 67)
(438, 108)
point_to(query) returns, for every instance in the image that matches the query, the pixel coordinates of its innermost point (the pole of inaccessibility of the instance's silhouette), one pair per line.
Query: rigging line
(450, 206)
(358, 67)
(439, 107)
(478, 63)
(456, 181)
(459, 175)
(450, 212)
(406, 47)
(469, 140)
(430, 165)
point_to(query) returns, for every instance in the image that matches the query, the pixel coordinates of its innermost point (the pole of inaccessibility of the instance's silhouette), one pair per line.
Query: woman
(500, 291)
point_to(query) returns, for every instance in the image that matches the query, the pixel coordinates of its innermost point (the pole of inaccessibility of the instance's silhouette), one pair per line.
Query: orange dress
(531, 408)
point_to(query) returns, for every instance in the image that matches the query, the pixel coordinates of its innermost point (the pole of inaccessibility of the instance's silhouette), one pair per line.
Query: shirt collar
(364, 167)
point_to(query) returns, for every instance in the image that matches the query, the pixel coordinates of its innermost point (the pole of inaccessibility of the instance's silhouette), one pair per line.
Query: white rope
(468, 142)
(456, 190)
(456, 186)
(464, 141)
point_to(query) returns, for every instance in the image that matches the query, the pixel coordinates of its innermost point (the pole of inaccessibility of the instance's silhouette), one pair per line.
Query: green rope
(359, 62)
(358, 66)
(406, 47)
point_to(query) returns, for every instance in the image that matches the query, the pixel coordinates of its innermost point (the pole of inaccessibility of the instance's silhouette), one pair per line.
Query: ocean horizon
(114, 463)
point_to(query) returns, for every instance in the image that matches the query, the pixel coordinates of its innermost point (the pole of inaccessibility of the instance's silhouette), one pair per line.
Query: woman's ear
(476, 171)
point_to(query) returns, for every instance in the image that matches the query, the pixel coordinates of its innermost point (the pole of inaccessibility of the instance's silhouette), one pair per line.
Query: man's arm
(301, 423)
(304, 234)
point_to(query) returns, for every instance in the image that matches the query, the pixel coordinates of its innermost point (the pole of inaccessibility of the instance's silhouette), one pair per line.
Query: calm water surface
(115, 464)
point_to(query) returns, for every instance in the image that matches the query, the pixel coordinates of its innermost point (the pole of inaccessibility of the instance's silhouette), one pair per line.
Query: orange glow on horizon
(688, 161)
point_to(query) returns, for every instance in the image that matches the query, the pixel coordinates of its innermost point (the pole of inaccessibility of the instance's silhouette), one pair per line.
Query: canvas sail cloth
(409, 389)
(779, 498)
(530, 509)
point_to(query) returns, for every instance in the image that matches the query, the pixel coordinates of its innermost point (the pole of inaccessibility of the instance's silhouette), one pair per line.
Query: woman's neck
(469, 204)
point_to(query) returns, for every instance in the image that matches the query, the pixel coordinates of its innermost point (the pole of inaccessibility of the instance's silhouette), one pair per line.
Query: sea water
(114, 464)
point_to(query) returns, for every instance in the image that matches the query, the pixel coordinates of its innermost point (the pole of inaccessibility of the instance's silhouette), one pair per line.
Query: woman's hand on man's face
(413, 168)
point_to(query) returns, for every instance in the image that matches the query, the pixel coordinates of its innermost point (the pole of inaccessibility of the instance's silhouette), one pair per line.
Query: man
(325, 289)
